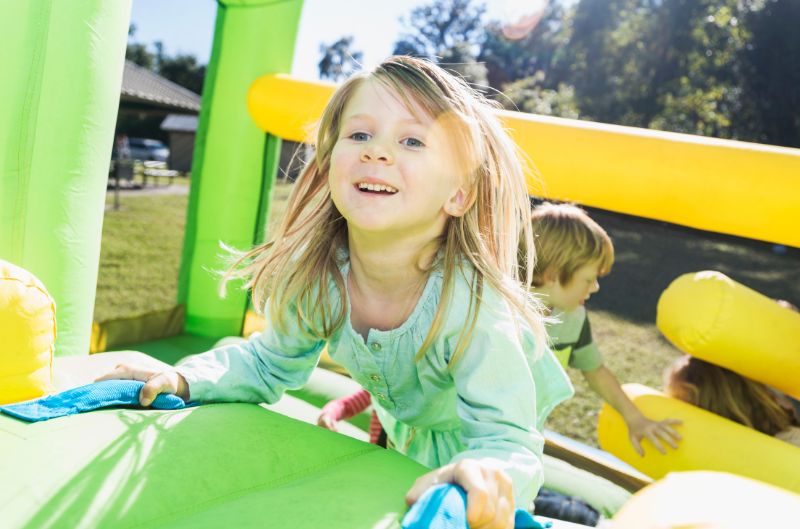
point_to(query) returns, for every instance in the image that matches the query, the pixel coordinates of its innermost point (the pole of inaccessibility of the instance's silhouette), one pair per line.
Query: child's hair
(567, 239)
(728, 394)
(303, 256)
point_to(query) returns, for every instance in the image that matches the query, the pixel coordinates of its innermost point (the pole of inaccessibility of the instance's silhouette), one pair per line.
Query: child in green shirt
(572, 252)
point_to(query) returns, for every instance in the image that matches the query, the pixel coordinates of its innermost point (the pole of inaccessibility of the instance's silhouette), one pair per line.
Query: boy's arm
(604, 383)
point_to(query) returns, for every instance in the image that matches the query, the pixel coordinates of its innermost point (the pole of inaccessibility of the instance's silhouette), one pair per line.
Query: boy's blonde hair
(302, 259)
(567, 239)
(728, 394)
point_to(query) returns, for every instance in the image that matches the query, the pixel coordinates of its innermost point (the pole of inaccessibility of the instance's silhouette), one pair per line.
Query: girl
(732, 396)
(399, 251)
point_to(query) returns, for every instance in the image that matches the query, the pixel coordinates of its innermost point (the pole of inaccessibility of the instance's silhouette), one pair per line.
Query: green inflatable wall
(232, 172)
(61, 66)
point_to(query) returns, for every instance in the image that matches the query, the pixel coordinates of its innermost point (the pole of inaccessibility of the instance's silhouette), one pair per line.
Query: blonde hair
(303, 256)
(567, 239)
(728, 394)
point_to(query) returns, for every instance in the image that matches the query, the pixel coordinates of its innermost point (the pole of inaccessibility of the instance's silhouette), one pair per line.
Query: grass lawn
(142, 243)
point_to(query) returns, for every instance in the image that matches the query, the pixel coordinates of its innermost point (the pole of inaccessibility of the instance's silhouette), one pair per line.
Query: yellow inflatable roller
(647, 173)
(709, 500)
(27, 335)
(714, 318)
(709, 442)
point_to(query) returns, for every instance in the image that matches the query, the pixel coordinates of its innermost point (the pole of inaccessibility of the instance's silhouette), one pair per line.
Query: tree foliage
(339, 60)
(723, 68)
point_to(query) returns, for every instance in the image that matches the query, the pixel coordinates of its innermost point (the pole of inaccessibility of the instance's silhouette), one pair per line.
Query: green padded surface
(172, 349)
(222, 465)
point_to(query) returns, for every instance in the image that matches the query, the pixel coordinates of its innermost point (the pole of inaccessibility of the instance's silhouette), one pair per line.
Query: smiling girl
(399, 251)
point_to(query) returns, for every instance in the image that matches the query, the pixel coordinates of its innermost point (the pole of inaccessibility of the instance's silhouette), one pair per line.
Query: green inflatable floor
(222, 465)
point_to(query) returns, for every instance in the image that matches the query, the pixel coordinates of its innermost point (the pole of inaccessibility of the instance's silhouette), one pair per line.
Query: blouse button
(376, 378)
(381, 396)
(375, 346)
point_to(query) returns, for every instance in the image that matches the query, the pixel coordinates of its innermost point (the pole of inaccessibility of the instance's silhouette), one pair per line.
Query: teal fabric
(445, 507)
(87, 398)
(479, 408)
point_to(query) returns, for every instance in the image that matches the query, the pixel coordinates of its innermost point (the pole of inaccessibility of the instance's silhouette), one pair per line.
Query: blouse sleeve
(257, 370)
(497, 405)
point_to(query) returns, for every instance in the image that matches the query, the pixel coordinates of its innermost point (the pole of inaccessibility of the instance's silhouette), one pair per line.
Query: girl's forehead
(372, 98)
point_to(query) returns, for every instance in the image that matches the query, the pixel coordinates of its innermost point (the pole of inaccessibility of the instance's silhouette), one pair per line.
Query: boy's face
(569, 296)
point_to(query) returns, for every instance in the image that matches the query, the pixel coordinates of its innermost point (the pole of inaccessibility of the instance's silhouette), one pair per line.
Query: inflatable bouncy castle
(238, 464)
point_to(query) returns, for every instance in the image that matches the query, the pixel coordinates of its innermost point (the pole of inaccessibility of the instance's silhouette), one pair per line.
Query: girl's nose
(595, 287)
(374, 152)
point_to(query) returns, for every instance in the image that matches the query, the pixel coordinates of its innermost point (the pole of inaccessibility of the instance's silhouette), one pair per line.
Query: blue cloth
(445, 507)
(87, 398)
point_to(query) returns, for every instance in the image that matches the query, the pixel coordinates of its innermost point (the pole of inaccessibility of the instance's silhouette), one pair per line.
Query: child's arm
(257, 370)
(500, 466)
(604, 383)
(343, 408)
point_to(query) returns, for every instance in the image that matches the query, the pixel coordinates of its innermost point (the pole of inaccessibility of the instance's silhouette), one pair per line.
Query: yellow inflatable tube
(709, 500)
(709, 442)
(714, 318)
(647, 173)
(27, 335)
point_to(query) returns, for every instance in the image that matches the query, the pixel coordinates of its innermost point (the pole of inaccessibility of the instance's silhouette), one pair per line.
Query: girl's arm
(497, 407)
(258, 370)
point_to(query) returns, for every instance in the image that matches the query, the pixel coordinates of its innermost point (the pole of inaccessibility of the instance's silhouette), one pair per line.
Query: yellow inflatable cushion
(709, 500)
(28, 331)
(714, 318)
(710, 442)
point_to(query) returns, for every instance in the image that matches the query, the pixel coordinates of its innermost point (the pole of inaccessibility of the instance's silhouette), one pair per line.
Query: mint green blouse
(489, 405)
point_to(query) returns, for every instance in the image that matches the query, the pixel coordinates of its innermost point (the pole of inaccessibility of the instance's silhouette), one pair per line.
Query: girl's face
(569, 296)
(391, 170)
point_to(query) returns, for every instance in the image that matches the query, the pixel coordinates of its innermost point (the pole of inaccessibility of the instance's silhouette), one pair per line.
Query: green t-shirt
(572, 342)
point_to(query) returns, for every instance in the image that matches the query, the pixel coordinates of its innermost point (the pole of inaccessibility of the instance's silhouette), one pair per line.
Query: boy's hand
(327, 421)
(155, 382)
(655, 431)
(490, 496)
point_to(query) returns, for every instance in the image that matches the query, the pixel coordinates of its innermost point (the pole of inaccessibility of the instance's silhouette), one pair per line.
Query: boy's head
(572, 251)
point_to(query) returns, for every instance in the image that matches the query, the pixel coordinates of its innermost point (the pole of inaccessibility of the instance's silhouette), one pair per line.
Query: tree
(772, 77)
(338, 60)
(449, 32)
(541, 50)
(183, 70)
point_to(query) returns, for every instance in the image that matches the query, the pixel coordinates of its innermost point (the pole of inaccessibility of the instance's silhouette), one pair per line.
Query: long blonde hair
(728, 394)
(303, 256)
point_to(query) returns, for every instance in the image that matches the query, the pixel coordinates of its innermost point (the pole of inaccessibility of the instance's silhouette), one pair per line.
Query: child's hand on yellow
(655, 431)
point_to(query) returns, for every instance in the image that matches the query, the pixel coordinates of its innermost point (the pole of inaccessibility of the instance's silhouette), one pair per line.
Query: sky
(187, 26)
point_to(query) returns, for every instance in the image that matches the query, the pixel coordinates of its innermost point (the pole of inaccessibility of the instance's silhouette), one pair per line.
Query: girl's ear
(457, 204)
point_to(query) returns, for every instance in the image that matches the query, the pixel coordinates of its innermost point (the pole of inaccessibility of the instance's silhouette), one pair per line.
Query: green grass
(142, 245)
(140, 255)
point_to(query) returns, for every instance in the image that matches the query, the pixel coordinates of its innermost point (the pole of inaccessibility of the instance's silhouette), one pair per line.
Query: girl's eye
(412, 142)
(359, 136)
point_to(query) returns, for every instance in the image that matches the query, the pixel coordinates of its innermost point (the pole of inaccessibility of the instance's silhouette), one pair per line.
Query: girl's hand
(155, 382)
(655, 431)
(490, 496)
(327, 421)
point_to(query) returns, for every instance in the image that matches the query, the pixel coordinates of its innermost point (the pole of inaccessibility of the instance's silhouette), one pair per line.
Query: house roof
(179, 123)
(140, 85)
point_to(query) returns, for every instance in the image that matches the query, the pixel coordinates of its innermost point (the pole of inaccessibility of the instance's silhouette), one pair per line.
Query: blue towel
(445, 507)
(87, 398)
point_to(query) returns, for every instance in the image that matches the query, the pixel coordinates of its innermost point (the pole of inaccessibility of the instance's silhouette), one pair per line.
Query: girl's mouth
(382, 189)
